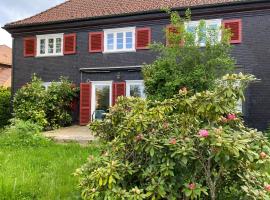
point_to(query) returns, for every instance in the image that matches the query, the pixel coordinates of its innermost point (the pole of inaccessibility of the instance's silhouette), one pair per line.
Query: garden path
(80, 134)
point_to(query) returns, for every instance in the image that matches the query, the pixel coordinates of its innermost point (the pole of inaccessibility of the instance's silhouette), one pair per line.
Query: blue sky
(13, 10)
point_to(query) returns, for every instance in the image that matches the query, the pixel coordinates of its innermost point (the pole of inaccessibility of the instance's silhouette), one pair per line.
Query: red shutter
(85, 103)
(70, 43)
(170, 29)
(30, 47)
(119, 89)
(143, 38)
(235, 25)
(96, 40)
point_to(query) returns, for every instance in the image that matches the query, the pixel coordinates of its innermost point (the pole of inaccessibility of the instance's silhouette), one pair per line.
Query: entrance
(101, 98)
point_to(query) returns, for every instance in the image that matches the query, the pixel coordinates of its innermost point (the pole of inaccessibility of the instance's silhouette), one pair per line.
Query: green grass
(29, 173)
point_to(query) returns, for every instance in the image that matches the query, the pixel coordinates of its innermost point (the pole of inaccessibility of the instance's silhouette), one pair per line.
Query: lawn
(42, 172)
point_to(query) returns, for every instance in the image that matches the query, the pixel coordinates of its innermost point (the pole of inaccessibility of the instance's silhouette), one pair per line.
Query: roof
(5, 55)
(72, 10)
(5, 77)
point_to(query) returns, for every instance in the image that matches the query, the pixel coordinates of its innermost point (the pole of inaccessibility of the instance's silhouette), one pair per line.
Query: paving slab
(80, 134)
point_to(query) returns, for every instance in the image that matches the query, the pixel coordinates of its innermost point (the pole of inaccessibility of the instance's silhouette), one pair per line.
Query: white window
(135, 89)
(119, 40)
(213, 27)
(50, 45)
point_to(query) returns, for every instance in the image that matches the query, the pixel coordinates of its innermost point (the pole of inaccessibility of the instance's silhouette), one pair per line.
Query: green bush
(22, 133)
(187, 65)
(5, 106)
(48, 108)
(191, 146)
(30, 103)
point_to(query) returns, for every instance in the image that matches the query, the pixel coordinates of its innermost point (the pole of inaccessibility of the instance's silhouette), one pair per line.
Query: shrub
(191, 146)
(48, 108)
(5, 106)
(22, 133)
(187, 65)
(30, 103)
(58, 103)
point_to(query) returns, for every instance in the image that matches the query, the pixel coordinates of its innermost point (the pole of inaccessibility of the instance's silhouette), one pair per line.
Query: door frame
(93, 94)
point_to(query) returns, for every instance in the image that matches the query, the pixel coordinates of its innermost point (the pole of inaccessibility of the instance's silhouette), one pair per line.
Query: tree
(184, 62)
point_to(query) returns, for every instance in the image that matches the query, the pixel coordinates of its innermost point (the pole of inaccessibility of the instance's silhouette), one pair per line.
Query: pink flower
(267, 188)
(263, 155)
(231, 116)
(173, 141)
(192, 186)
(203, 133)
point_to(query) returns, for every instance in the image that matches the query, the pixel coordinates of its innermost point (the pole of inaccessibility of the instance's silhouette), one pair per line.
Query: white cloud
(5, 38)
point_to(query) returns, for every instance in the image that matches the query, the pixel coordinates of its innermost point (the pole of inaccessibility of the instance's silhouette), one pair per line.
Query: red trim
(239, 21)
(85, 103)
(99, 43)
(148, 39)
(118, 91)
(26, 43)
(73, 47)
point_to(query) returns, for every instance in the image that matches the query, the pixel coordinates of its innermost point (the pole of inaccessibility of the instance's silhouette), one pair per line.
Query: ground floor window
(135, 88)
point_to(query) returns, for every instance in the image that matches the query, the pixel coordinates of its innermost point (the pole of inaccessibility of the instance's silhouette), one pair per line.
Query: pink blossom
(192, 186)
(173, 141)
(267, 188)
(203, 133)
(231, 116)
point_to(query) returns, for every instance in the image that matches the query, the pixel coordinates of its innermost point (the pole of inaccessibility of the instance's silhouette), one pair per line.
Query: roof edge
(10, 26)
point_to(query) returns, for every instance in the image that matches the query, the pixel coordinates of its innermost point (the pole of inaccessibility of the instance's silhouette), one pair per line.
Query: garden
(186, 141)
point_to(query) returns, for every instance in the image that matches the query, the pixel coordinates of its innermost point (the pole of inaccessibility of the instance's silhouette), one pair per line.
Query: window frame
(135, 82)
(46, 38)
(114, 32)
(208, 23)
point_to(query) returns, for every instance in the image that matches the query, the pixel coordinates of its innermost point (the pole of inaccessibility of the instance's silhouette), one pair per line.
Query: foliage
(191, 146)
(188, 64)
(47, 108)
(22, 133)
(5, 109)
(59, 98)
(41, 172)
(30, 102)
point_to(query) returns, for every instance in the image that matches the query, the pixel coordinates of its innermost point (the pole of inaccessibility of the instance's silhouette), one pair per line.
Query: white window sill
(122, 51)
(55, 55)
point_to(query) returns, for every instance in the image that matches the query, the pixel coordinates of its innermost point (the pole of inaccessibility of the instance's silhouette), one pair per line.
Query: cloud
(13, 10)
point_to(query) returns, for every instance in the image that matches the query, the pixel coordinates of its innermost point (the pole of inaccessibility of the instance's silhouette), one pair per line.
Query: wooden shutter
(119, 89)
(235, 25)
(96, 40)
(170, 29)
(29, 47)
(70, 43)
(85, 103)
(143, 38)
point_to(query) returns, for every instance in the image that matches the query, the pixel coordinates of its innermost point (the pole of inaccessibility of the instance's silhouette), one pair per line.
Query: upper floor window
(211, 30)
(119, 40)
(50, 45)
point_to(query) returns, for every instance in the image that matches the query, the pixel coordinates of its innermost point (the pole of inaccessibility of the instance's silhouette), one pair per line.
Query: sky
(13, 10)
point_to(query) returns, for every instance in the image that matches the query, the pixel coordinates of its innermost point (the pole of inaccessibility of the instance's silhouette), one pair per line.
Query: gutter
(9, 27)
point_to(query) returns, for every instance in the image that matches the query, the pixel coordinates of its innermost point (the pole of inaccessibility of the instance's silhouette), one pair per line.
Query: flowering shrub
(181, 148)
(48, 108)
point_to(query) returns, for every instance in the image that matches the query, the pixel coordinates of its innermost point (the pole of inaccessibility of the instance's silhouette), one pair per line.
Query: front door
(101, 98)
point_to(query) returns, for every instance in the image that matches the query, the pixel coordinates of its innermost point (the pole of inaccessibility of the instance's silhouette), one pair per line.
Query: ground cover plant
(5, 106)
(49, 108)
(192, 146)
(32, 167)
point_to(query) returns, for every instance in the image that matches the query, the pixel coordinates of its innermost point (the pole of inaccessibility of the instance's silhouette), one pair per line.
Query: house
(5, 65)
(101, 45)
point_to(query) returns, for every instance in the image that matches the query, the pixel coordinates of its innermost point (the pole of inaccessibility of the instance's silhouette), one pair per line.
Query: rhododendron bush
(192, 146)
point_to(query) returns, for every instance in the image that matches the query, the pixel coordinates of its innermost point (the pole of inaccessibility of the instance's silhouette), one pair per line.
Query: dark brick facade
(252, 55)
